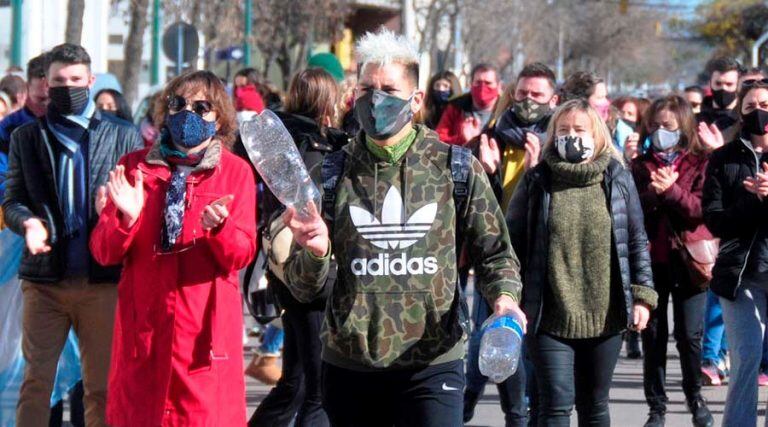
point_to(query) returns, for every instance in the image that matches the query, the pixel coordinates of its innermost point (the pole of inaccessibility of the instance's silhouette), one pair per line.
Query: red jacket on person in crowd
(679, 206)
(177, 353)
(452, 121)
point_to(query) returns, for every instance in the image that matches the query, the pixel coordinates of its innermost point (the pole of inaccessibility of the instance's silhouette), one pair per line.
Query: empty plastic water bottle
(275, 156)
(500, 346)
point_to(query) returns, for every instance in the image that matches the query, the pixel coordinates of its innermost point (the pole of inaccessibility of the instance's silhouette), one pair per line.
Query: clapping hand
(490, 156)
(758, 184)
(470, 128)
(630, 146)
(532, 150)
(663, 178)
(711, 136)
(129, 199)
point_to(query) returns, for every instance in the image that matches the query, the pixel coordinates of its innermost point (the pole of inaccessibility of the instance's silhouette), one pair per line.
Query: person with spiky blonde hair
(397, 200)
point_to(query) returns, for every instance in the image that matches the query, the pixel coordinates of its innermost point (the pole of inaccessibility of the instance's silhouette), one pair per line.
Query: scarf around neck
(70, 131)
(175, 196)
(577, 174)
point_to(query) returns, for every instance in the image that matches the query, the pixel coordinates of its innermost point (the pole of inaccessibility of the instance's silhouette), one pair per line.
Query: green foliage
(731, 25)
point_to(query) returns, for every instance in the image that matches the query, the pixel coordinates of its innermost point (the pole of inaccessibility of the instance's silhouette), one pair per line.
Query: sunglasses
(753, 82)
(178, 103)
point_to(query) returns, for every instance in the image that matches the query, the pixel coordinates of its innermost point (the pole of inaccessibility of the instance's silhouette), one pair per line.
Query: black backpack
(460, 160)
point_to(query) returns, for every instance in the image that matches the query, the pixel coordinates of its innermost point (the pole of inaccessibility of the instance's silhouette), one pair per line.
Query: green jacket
(393, 304)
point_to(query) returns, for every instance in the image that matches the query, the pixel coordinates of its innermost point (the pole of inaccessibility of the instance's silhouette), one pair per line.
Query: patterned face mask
(575, 149)
(382, 115)
(530, 111)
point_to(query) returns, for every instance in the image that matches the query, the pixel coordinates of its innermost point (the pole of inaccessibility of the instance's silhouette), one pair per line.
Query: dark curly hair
(206, 82)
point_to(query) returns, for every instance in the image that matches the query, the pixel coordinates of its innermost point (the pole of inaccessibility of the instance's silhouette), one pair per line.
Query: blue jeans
(714, 344)
(512, 390)
(271, 341)
(745, 320)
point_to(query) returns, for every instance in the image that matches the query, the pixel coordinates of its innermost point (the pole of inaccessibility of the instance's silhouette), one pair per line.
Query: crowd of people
(585, 216)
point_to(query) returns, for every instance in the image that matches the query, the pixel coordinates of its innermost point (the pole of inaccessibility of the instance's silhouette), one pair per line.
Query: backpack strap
(461, 167)
(333, 167)
(460, 161)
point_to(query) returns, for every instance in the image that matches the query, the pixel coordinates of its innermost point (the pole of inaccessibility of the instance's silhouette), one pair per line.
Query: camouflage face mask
(382, 115)
(529, 111)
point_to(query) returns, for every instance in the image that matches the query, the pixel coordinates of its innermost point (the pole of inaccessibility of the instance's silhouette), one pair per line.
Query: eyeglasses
(177, 103)
(753, 82)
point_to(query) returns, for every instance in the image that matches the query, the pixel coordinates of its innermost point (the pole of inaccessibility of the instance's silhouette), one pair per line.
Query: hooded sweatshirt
(393, 305)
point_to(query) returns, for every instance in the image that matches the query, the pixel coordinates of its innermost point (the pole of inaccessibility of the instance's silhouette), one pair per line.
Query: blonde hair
(600, 132)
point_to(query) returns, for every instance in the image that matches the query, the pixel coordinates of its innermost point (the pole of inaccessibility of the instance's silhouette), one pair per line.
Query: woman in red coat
(670, 178)
(179, 216)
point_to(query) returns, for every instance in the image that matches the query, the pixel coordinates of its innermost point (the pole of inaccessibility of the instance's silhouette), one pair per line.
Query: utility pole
(16, 32)
(756, 49)
(248, 31)
(154, 69)
(409, 19)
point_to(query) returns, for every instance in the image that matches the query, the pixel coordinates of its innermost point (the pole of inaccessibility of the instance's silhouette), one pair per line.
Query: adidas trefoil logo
(392, 231)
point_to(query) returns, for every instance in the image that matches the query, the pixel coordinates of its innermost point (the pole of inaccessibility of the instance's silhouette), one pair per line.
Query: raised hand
(128, 198)
(216, 213)
(490, 156)
(309, 230)
(710, 136)
(470, 128)
(532, 150)
(630, 146)
(36, 236)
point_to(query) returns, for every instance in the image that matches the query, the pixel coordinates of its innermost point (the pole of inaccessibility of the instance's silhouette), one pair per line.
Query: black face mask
(69, 99)
(441, 96)
(756, 122)
(723, 98)
(630, 123)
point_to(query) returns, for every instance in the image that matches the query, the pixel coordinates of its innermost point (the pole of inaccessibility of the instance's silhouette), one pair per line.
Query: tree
(74, 30)
(134, 48)
(730, 26)
(286, 29)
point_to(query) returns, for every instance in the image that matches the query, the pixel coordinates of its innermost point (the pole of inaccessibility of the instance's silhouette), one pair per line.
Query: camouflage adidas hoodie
(393, 238)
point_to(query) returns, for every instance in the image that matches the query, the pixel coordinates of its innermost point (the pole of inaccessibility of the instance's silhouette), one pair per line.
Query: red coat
(452, 120)
(177, 354)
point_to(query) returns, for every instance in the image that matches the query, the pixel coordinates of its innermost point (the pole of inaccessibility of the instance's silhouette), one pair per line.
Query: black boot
(655, 419)
(470, 401)
(701, 415)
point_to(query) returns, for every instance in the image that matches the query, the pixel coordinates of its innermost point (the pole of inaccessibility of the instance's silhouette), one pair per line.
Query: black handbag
(262, 303)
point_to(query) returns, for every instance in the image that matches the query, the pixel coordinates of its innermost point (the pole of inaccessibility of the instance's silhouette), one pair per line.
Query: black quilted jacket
(31, 190)
(528, 219)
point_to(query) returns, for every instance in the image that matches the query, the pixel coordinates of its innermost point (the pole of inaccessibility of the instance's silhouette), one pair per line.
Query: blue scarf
(70, 131)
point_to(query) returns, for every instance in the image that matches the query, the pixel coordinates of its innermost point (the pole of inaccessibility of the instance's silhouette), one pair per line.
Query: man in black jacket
(720, 108)
(56, 165)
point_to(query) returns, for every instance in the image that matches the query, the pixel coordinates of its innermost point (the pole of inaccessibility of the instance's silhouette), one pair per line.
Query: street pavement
(628, 407)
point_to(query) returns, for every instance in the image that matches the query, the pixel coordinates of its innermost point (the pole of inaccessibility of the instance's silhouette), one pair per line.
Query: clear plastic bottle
(275, 156)
(500, 346)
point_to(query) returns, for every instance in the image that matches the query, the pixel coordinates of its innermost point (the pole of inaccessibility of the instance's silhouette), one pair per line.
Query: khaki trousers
(48, 313)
